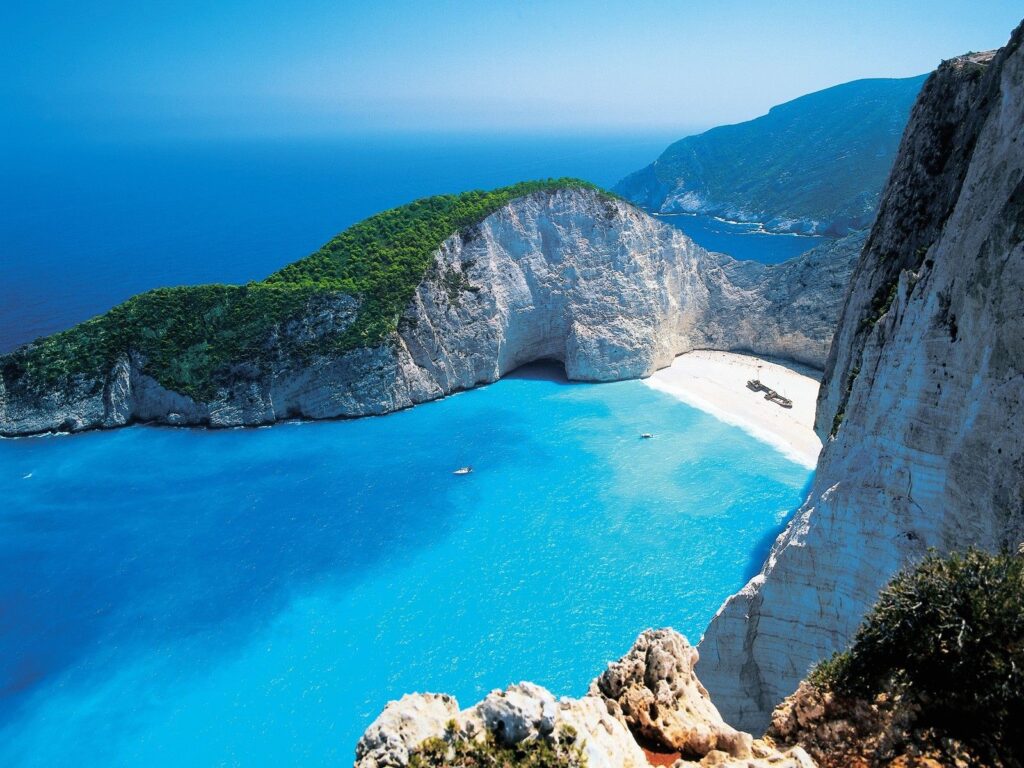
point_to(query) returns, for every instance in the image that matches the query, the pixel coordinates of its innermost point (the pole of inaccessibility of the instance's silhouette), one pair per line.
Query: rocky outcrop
(520, 713)
(651, 694)
(843, 731)
(922, 396)
(654, 691)
(839, 731)
(763, 755)
(402, 727)
(571, 275)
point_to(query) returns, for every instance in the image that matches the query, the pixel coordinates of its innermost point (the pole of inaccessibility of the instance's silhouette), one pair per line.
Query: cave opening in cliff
(546, 368)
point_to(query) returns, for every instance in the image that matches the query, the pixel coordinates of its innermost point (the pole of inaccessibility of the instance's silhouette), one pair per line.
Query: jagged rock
(653, 690)
(842, 731)
(606, 742)
(403, 726)
(570, 275)
(923, 393)
(520, 713)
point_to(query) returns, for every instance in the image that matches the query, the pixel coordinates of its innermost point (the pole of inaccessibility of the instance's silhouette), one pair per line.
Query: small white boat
(646, 436)
(462, 471)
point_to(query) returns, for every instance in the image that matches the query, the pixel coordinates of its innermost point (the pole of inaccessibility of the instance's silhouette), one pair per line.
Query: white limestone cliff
(923, 394)
(570, 275)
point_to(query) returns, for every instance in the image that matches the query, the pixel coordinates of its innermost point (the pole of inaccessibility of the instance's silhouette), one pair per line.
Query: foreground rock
(521, 713)
(570, 275)
(654, 691)
(402, 727)
(923, 393)
(650, 694)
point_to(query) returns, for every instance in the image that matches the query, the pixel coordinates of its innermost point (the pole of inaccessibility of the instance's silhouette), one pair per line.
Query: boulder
(654, 691)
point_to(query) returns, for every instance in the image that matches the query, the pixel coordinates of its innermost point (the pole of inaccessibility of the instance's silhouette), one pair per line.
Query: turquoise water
(254, 597)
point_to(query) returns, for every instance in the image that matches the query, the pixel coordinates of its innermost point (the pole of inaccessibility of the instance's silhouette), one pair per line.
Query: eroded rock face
(764, 755)
(651, 693)
(654, 691)
(924, 391)
(570, 275)
(520, 713)
(402, 727)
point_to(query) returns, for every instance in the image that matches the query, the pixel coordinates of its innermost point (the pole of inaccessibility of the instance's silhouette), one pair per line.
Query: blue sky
(275, 68)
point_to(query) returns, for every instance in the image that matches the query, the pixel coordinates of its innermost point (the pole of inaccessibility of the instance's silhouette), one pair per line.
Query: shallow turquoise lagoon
(254, 597)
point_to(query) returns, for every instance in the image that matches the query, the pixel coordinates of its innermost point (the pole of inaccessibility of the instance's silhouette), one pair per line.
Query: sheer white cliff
(923, 393)
(569, 275)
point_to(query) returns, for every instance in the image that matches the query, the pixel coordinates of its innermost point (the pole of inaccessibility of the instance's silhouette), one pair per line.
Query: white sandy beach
(716, 382)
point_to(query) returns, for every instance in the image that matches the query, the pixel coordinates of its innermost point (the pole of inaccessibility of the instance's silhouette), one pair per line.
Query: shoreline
(761, 229)
(716, 383)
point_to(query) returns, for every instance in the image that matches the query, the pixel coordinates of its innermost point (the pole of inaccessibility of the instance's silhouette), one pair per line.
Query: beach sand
(716, 382)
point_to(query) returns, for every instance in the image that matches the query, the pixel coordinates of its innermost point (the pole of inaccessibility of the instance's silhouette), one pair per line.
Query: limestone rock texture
(572, 276)
(764, 755)
(519, 713)
(654, 691)
(922, 403)
(651, 694)
(403, 725)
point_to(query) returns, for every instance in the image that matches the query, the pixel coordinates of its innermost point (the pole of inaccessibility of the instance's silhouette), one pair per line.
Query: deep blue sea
(254, 597)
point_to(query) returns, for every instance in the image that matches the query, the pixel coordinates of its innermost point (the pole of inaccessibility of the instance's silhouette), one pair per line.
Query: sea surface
(180, 597)
(84, 226)
(741, 240)
(254, 597)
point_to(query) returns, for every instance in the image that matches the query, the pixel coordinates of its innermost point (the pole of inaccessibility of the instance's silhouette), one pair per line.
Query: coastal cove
(741, 239)
(187, 606)
(512, 386)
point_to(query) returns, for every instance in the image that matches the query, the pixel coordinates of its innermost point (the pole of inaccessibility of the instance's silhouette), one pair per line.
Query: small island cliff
(374, 323)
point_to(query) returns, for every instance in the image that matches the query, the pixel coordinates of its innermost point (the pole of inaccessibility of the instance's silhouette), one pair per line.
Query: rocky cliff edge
(922, 399)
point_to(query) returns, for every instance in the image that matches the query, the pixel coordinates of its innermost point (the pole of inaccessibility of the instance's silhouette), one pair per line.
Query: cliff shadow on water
(763, 547)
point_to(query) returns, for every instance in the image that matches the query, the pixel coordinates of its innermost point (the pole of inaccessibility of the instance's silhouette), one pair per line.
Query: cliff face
(814, 164)
(569, 275)
(923, 393)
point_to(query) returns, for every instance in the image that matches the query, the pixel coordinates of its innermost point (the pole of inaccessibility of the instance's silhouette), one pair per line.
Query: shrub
(947, 637)
(456, 751)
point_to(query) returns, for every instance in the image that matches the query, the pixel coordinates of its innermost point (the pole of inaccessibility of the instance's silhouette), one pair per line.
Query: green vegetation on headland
(937, 667)
(191, 336)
